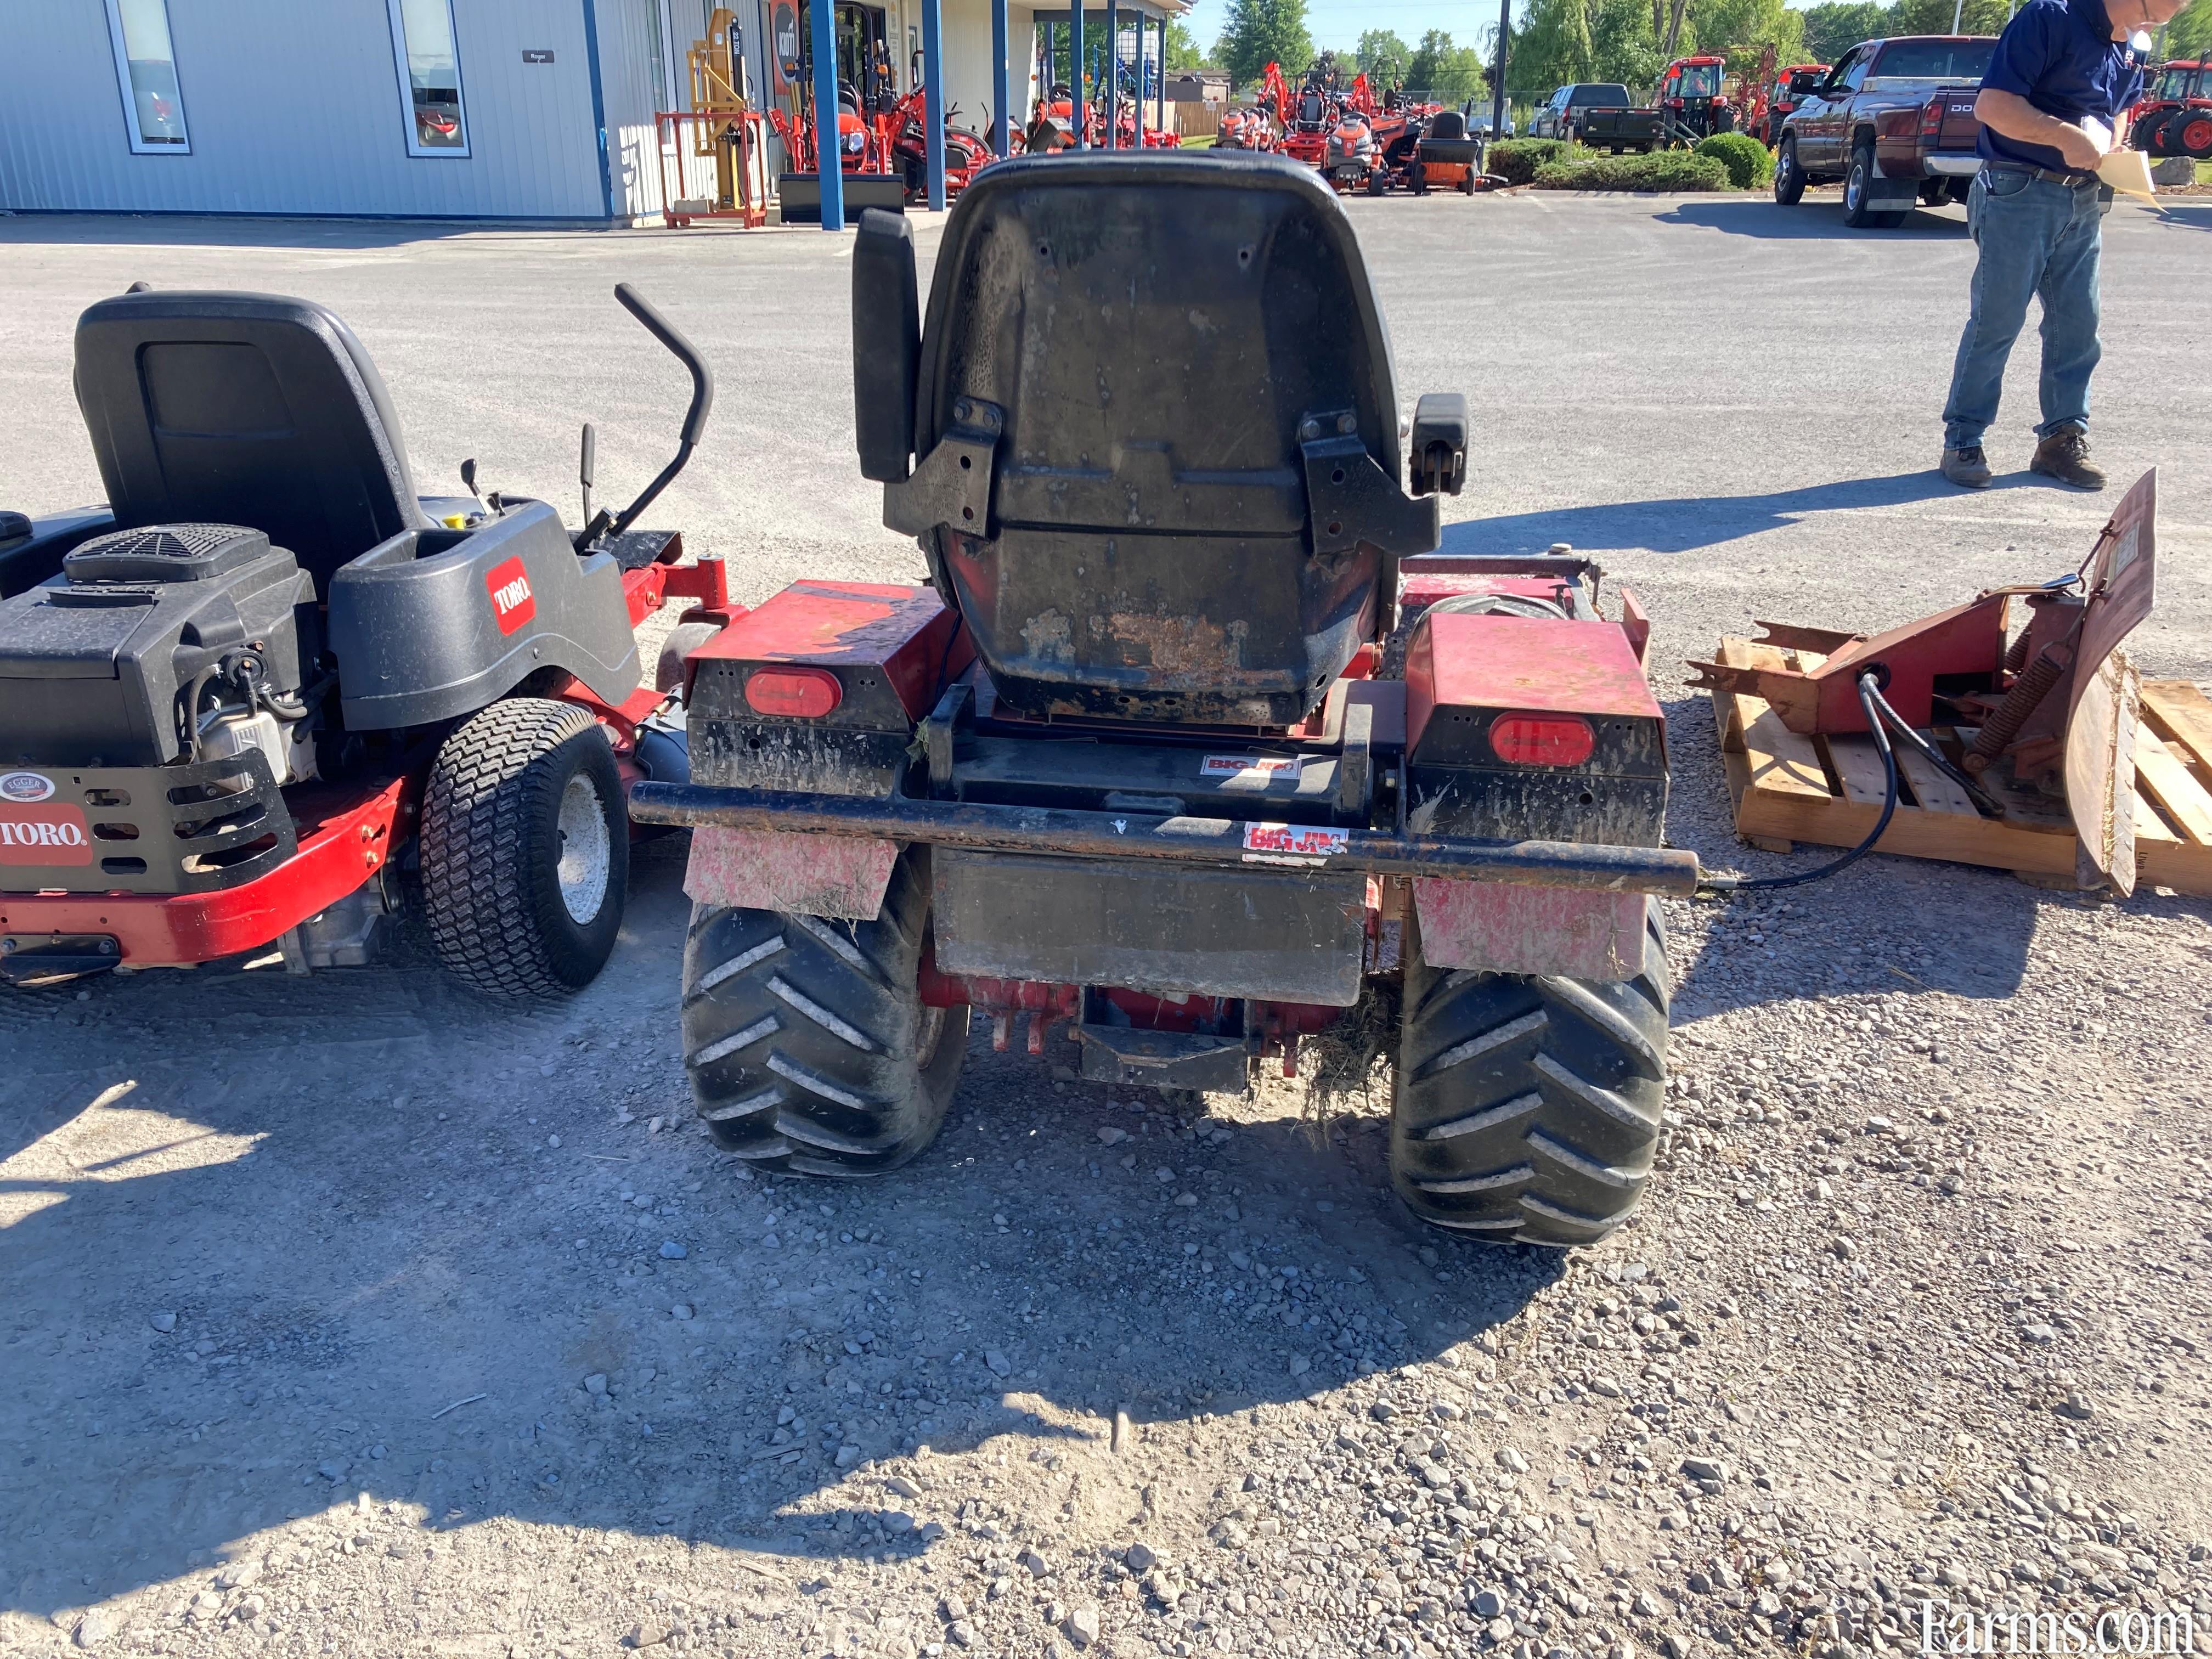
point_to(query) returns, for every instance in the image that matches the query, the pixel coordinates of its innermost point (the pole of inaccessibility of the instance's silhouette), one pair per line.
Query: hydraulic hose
(1876, 708)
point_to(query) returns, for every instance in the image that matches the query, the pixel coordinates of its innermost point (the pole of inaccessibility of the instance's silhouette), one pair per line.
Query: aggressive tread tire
(492, 846)
(1527, 1108)
(806, 1039)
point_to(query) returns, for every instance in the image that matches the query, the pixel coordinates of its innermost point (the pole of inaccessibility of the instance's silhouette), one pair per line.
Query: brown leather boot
(2064, 455)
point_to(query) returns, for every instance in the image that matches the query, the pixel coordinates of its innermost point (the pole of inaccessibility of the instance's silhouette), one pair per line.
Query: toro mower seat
(245, 408)
(1159, 463)
(1448, 124)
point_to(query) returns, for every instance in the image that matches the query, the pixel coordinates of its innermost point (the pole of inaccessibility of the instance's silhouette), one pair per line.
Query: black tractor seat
(246, 408)
(1159, 467)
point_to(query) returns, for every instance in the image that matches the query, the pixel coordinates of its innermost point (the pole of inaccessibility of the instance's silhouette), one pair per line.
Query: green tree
(1834, 26)
(1933, 17)
(1622, 47)
(1183, 50)
(1564, 40)
(1741, 29)
(1383, 56)
(1263, 32)
(1451, 72)
(2190, 35)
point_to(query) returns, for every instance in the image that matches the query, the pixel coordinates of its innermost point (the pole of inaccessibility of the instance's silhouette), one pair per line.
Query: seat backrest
(248, 409)
(1448, 123)
(1162, 333)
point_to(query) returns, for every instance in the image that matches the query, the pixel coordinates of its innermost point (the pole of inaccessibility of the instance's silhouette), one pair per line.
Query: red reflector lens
(1541, 740)
(804, 694)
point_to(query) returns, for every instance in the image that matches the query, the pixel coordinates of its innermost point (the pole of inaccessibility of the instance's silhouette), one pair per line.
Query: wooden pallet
(1788, 788)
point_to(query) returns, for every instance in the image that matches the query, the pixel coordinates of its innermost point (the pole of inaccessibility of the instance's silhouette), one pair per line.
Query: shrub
(1667, 170)
(1748, 161)
(1516, 160)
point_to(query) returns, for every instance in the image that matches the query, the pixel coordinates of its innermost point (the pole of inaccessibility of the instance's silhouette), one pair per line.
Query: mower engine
(175, 645)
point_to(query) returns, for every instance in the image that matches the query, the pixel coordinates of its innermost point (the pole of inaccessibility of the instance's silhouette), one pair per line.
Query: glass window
(1935, 60)
(429, 76)
(146, 65)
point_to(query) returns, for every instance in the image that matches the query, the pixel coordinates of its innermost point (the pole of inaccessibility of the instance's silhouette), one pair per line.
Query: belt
(2073, 180)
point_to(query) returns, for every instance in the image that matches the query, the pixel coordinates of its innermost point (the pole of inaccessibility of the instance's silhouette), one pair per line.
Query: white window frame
(139, 144)
(416, 148)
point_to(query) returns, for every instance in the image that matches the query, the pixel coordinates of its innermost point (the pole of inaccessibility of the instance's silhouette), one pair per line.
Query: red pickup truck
(1894, 122)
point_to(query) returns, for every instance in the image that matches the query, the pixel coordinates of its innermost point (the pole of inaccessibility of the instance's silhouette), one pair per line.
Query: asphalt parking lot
(306, 1280)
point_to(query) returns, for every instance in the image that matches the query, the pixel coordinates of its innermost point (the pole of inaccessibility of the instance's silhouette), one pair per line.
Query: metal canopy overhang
(1153, 11)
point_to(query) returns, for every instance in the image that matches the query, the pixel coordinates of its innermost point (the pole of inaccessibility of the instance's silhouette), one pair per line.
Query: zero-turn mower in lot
(1188, 740)
(242, 698)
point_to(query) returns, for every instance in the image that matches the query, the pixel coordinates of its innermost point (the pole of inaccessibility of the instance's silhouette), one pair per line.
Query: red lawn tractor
(265, 679)
(1773, 96)
(1188, 740)
(1691, 104)
(2174, 117)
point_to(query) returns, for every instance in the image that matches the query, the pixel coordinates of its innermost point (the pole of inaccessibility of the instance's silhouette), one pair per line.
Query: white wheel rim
(585, 851)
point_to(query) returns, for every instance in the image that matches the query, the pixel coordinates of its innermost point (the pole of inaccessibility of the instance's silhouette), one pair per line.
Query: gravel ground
(346, 1315)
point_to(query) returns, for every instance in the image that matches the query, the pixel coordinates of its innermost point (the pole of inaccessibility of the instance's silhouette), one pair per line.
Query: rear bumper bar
(1171, 840)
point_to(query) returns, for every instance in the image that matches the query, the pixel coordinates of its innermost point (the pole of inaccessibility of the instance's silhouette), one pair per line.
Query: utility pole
(1497, 92)
(1958, 14)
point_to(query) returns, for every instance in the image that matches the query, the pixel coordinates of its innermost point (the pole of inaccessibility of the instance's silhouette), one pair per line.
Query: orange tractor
(2174, 116)
(1767, 95)
(1691, 104)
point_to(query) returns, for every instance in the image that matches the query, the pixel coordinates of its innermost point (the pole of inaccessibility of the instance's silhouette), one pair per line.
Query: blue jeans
(2038, 239)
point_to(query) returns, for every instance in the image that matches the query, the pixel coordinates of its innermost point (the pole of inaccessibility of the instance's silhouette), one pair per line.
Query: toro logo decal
(43, 834)
(1293, 843)
(21, 788)
(512, 602)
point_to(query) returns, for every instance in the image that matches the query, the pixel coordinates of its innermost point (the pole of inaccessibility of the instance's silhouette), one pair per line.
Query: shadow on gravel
(1817, 219)
(1685, 524)
(379, 1279)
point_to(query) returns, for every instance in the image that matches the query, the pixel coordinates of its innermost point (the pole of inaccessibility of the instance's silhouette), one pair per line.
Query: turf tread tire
(491, 849)
(1527, 1108)
(805, 1039)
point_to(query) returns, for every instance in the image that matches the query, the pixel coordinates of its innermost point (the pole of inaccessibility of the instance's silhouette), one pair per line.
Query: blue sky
(1339, 23)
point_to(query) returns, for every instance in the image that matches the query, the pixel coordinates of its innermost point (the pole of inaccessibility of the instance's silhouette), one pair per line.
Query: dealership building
(473, 109)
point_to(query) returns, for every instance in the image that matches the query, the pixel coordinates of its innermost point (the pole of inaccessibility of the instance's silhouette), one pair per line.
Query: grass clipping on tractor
(1349, 1056)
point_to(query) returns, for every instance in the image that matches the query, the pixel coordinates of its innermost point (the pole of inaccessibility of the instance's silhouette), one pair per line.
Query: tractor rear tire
(807, 1043)
(525, 849)
(1527, 1108)
(2189, 133)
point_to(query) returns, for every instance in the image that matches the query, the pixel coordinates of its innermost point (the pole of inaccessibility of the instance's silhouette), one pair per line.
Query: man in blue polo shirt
(2053, 101)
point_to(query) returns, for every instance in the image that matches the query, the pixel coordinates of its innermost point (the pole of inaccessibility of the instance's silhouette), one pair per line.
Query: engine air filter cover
(166, 553)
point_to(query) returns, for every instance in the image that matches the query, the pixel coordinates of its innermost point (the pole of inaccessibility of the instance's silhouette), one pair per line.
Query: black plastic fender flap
(433, 624)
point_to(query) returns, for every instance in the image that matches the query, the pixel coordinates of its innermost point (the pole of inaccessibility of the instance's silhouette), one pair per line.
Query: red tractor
(1767, 100)
(2174, 117)
(902, 134)
(1188, 741)
(1692, 104)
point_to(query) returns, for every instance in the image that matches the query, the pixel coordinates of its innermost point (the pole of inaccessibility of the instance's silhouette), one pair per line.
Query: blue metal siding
(297, 109)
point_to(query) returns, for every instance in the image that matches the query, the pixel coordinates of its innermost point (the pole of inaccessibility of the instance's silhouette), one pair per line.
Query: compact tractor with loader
(264, 680)
(1189, 740)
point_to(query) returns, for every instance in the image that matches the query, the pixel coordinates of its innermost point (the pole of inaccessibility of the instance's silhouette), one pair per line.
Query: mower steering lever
(695, 418)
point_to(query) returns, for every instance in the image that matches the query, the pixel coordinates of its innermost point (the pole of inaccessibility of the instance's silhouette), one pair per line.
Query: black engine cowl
(95, 665)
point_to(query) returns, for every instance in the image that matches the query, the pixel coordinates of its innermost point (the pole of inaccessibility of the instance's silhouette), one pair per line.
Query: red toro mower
(238, 700)
(1189, 740)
